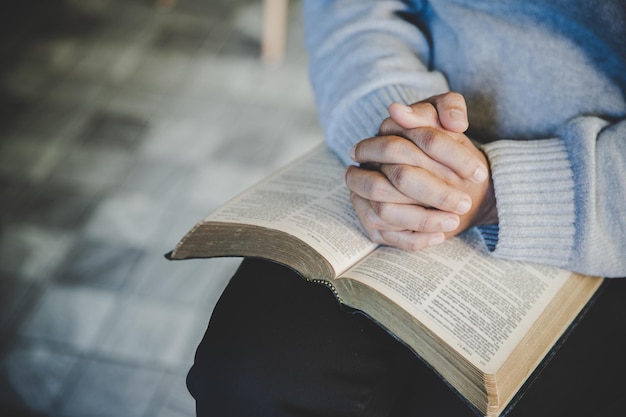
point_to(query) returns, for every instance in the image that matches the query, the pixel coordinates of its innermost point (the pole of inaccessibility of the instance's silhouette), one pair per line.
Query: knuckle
(389, 238)
(387, 126)
(366, 214)
(399, 175)
(381, 209)
(377, 189)
(424, 224)
(455, 97)
(432, 112)
(448, 176)
(415, 245)
(426, 139)
(449, 98)
(348, 176)
(371, 220)
(428, 111)
(391, 147)
(445, 200)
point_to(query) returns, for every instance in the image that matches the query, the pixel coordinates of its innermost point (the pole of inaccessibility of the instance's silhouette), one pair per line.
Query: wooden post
(274, 31)
(165, 4)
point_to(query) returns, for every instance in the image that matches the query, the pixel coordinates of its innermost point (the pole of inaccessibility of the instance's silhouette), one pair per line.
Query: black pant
(277, 345)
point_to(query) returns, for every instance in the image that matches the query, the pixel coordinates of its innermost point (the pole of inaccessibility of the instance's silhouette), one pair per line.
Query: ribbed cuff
(534, 188)
(489, 233)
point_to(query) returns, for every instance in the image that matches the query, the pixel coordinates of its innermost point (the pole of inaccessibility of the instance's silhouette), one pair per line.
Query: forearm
(363, 57)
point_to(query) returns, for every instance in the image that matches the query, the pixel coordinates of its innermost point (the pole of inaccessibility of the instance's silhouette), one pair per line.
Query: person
(508, 117)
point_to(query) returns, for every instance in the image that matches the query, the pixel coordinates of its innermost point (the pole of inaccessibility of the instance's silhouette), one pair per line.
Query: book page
(480, 305)
(309, 200)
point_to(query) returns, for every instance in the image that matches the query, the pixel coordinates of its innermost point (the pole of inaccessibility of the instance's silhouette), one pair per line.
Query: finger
(381, 232)
(452, 111)
(373, 185)
(390, 150)
(373, 152)
(422, 187)
(450, 152)
(414, 217)
(421, 114)
(411, 241)
(448, 111)
(368, 217)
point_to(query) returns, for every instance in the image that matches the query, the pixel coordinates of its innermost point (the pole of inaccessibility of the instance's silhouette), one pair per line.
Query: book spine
(329, 285)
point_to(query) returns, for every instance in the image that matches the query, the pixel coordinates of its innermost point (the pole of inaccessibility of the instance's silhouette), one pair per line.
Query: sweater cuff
(534, 187)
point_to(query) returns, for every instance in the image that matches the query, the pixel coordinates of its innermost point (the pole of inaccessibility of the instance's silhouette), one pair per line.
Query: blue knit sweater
(545, 84)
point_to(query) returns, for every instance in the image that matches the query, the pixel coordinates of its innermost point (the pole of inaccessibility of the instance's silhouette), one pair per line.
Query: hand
(421, 179)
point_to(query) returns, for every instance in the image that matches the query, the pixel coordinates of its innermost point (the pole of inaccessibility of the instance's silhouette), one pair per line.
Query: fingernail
(464, 206)
(450, 224)
(480, 175)
(353, 153)
(436, 240)
(407, 109)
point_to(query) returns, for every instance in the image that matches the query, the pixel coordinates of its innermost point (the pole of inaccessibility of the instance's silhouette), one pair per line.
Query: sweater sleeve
(364, 55)
(562, 201)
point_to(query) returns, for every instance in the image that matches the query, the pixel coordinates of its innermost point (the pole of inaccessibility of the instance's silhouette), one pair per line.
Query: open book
(484, 324)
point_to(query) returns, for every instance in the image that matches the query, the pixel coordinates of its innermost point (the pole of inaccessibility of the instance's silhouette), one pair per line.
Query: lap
(277, 345)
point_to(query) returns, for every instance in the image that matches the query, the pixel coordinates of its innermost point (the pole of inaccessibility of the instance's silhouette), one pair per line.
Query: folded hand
(421, 179)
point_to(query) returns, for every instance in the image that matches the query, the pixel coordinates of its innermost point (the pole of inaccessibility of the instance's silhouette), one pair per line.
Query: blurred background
(122, 123)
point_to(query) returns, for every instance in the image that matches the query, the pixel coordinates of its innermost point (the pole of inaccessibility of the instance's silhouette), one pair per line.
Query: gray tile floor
(121, 125)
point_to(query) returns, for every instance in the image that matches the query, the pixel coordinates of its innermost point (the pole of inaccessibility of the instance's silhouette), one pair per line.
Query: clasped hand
(421, 179)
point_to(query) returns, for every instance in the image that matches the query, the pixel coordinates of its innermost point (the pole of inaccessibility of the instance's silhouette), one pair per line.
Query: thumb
(421, 114)
(452, 111)
(447, 111)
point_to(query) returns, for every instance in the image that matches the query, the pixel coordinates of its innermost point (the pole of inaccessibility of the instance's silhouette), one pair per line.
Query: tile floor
(121, 124)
